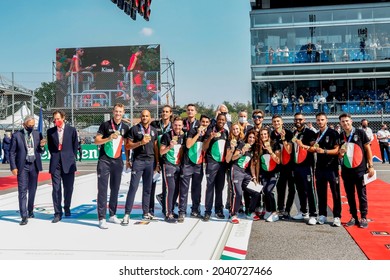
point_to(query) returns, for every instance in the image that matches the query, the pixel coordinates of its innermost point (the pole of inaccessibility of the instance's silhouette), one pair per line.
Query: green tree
(46, 94)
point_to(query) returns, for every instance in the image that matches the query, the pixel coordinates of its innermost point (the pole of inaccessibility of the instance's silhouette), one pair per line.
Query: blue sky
(209, 40)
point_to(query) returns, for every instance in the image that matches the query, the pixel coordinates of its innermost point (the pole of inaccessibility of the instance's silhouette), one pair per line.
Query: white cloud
(147, 31)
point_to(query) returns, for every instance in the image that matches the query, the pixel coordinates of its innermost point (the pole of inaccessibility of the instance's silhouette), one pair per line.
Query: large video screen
(102, 76)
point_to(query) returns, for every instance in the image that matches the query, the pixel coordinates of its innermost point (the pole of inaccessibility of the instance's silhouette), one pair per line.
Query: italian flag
(285, 156)
(218, 150)
(300, 154)
(195, 153)
(267, 163)
(243, 161)
(113, 149)
(353, 156)
(173, 156)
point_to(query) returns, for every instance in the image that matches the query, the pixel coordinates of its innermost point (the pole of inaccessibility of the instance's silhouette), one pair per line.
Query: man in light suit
(63, 144)
(25, 162)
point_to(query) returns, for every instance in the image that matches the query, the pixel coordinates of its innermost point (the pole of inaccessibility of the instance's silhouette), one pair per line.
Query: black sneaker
(181, 218)
(220, 215)
(363, 223)
(175, 215)
(352, 222)
(196, 215)
(31, 215)
(241, 210)
(285, 215)
(170, 219)
(206, 218)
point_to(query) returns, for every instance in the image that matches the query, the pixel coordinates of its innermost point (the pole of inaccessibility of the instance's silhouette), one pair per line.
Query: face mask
(242, 119)
(58, 123)
(29, 129)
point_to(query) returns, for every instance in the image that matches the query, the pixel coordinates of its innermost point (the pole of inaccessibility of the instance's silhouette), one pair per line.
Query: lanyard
(163, 130)
(188, 124)
(113, 126)
(143, 129)
(320, 136)
(350, 136)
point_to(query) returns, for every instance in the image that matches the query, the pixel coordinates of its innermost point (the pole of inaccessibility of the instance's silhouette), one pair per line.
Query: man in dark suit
(63, 144)
(25, 162)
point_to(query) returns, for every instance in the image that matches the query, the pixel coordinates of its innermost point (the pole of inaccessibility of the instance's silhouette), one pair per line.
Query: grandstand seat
(344, 108)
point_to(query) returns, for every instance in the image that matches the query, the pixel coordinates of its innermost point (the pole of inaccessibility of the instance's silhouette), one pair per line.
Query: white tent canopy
(19, 115)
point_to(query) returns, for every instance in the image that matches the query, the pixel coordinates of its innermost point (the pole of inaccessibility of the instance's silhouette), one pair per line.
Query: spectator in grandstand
(311, 127)
(294, 103)
(301, 102)
(315, 105)
(222, 109)
(6, 147)
(364, 126)
(332, 89)
(284, 103)
(356, 160)
(271, 55)
(274, 104)
(383, 136)
(27, 145)
(286, 54)
(321, 103)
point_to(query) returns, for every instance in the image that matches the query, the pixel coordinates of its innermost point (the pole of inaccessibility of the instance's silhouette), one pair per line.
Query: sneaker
(181, 218)
(241, 210)
(196, 215)
(175, 215)
(126, 220)
(321, 220)
(103, 224)
(253, 216)
(114, 219)
(170, 219)
(273, 218)
(363, 223)
(285, 215)
(220, 215)
(159, 198)
(336, 222)
(206, 218)
(312, 221)
(267, 215)
(352, 222)
(301, 216)
(234, 220)
(148, 216)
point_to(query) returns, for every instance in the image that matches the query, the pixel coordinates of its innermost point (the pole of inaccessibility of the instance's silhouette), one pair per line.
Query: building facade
(340, 52)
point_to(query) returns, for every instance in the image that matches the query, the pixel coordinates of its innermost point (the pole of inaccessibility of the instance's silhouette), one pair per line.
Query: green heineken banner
(88, 151)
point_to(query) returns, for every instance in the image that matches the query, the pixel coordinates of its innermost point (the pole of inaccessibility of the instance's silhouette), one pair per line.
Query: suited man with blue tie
(62, 144)
(27, 146)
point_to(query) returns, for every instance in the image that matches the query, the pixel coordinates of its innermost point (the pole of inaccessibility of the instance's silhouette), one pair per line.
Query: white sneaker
(301, 216)
(267, 215)
(273, 218)
(103, 224)
(312, 221)
(337, 222)
(321, 220)
(126, 219)
(114, 219)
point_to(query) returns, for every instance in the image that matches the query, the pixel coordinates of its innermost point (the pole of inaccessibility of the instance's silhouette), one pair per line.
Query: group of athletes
(182, 150)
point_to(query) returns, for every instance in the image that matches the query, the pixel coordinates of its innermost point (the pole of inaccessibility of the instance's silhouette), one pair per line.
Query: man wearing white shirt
(368, 130)
(383, 136)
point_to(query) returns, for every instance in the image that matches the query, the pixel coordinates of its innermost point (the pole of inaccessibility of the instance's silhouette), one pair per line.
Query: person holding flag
(171, 151)
(269, 156)
(111, 135)
(356, 160)
(302, 141)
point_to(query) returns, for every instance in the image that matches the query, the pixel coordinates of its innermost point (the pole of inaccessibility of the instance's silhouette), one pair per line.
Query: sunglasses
(257, 117)
(298, 120)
